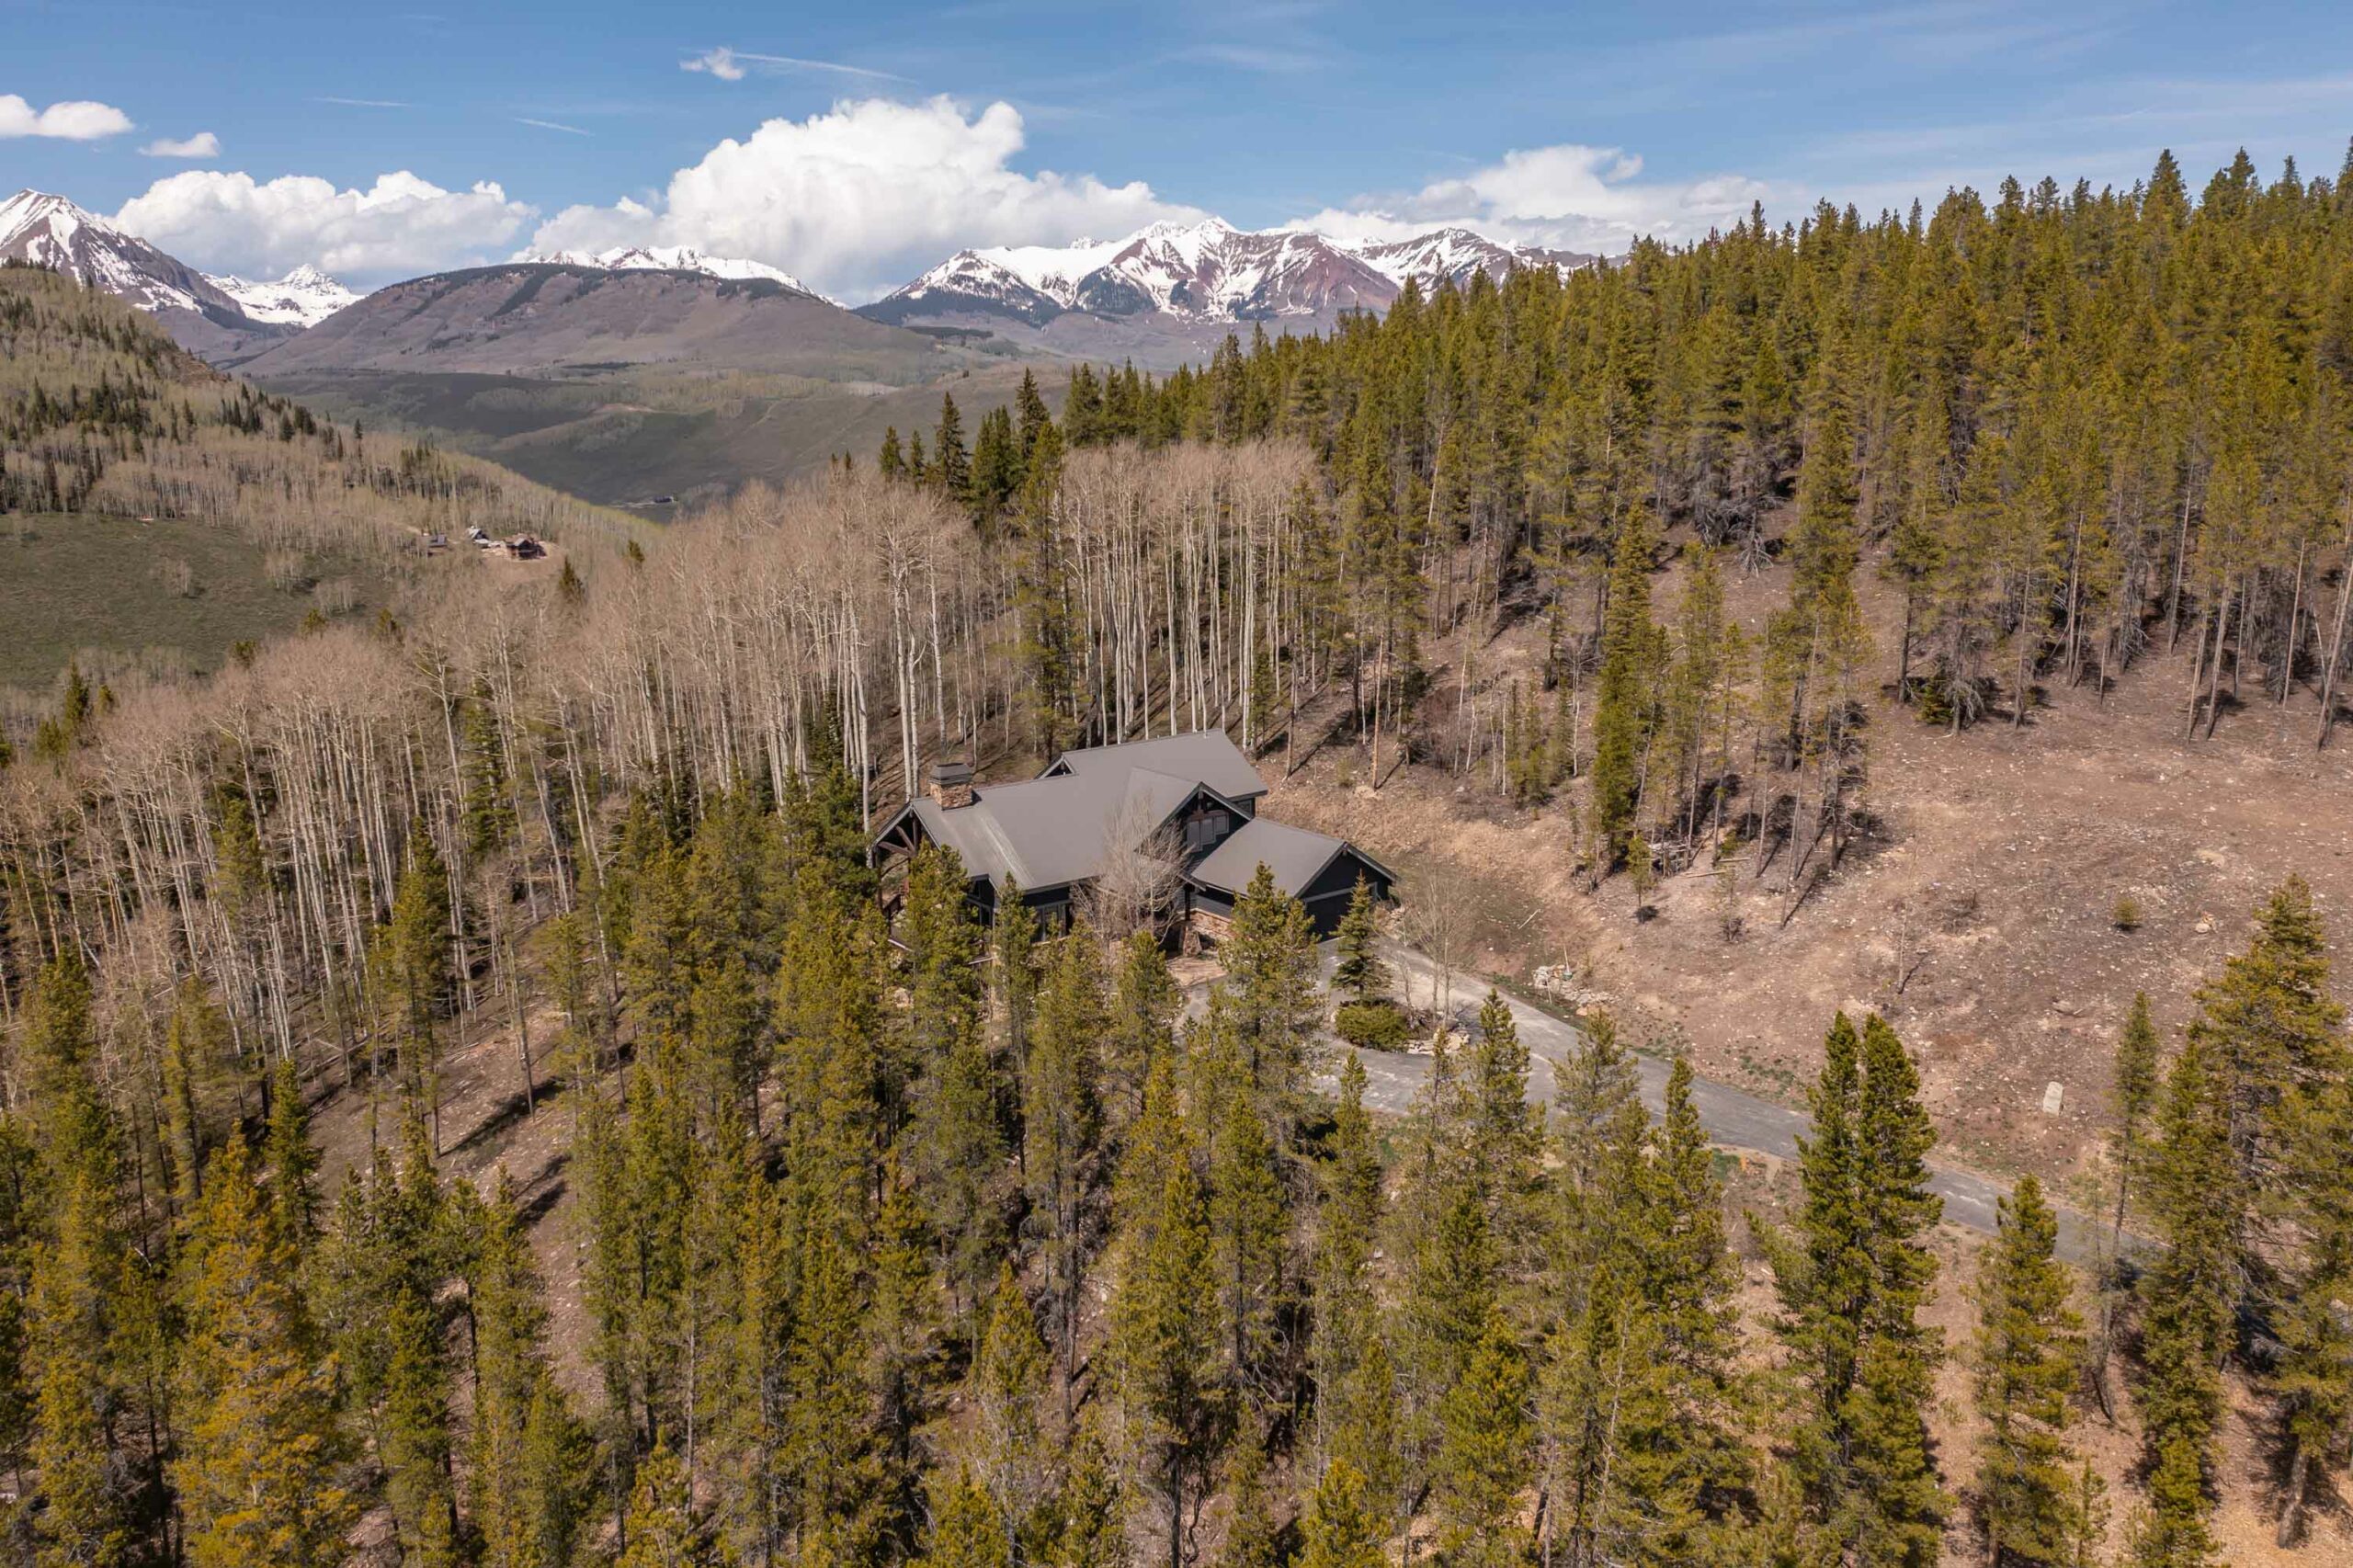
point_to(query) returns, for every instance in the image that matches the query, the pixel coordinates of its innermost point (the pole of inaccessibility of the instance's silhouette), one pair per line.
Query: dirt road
(1733, 1119)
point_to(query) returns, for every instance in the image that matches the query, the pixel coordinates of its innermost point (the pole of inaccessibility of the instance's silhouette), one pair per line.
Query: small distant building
(1192, 799)
(523, 547)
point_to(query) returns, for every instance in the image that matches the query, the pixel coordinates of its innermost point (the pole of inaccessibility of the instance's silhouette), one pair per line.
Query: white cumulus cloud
(203, 144)
(1569, 197)
(859, 198)
(75, 119)
(398, 227)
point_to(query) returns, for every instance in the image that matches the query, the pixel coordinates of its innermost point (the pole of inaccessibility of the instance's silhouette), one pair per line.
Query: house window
(1203, 830)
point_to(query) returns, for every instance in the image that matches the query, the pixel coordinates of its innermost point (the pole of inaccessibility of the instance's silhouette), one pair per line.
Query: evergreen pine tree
(1163, 1329)
(1621, 720)
(410, 962)
(1009, 1379)
(2133, 1100)
(84, 1519)
(1060, 1122)
(1091, 1523)
(966, 1529)
(529, 1461)
(951, 466)
(2025, 1356)
(1483, 1450)
(1851, 1290)
(414, 1442)
(291, 1161)
(2187, 1289)
(1361, 971)
(258, 1475)
(1270, 975)
(1145, 1002)
(1340, 1529)
(662, 1529)
(1247, 1231)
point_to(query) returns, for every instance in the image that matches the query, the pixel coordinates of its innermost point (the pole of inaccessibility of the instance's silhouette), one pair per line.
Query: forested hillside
(469, 1098)
(102, 414)
(166, 511)
(2064, 426)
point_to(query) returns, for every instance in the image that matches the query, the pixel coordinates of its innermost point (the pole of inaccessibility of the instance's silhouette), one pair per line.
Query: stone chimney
(950, 784)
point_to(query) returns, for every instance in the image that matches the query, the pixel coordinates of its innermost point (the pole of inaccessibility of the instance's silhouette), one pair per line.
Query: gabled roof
(1205, 756)
(1295, 857)
(1057, 829)
(1053, 831)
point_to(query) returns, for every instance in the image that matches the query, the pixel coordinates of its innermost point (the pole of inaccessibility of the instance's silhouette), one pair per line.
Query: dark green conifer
(1361, 971)
(2025, 1358)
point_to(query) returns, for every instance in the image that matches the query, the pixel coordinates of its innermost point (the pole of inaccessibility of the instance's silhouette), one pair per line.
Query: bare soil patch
(1977, 917)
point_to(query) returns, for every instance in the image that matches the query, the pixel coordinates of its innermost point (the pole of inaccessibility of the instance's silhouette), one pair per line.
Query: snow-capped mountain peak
(51, 231)
(1201, 271)
(1455, 254)
(30, 209)
(304, 297)
(218, 322)
(671, 258)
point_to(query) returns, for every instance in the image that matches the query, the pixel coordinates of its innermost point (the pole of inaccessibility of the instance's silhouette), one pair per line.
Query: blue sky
(896, 132)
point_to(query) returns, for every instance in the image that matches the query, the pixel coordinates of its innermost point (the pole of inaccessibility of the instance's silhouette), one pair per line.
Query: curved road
(1734, 1120)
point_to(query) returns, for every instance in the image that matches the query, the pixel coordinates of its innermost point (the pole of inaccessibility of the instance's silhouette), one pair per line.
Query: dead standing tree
(1136, 879)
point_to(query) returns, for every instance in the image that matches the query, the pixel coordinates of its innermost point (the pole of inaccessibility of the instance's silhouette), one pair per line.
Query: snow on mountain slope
(1201, 272)
(49, 231)
(304, 297)
(1457, 256)
(672, 258)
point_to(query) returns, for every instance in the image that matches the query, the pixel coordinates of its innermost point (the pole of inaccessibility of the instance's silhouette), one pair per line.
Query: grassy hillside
(167, 596)
(155, 511)
(623, 436)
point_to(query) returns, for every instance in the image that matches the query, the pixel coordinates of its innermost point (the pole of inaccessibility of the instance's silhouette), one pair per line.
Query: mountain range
(1163, 296)
(671, 258)
(1170, 291)
(203, 316)
(537, 318)
(303, 298)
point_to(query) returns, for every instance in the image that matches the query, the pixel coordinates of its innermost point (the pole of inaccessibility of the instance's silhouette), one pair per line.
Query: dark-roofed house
(1192, 799)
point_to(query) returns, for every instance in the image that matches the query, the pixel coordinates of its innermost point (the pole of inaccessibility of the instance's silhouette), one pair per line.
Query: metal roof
(1058, 829)
(1206, 756)
(1050, 832)
(1294, 855)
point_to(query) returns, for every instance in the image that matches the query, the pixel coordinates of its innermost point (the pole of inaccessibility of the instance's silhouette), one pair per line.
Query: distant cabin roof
(1293, 856)
(1207, 756)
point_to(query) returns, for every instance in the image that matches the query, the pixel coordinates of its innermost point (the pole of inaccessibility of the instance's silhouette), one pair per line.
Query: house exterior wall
(1203, 827)
(1327, 897)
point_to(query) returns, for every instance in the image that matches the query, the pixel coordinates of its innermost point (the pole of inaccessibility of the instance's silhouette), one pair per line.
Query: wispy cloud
(76, 119)
(734, 64)
(1676, 72)
(364, 103)
(203, 144)
(1253, 57)
(551, 125)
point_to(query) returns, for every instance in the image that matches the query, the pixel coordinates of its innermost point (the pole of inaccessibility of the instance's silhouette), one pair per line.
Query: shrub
(1370, 1026)
(2126, 916)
